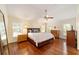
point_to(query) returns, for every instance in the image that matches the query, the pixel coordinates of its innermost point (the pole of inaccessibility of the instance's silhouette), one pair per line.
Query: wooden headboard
(33, 30)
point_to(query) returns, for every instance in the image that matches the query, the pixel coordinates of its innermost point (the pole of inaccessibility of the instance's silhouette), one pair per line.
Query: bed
(38, 38)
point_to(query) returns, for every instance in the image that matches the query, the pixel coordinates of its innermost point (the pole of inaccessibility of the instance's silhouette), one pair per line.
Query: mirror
(4, 48)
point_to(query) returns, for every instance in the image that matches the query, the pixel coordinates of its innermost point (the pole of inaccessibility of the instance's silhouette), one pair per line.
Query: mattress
(40, 37)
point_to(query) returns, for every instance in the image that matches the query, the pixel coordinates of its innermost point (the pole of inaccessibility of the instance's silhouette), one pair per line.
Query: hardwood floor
(56, 47)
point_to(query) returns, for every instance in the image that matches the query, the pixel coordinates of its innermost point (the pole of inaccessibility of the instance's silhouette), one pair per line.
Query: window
(16, 29)
(65, 28)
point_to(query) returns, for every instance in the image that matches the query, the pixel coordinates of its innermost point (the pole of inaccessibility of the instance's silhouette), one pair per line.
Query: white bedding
(40, 37)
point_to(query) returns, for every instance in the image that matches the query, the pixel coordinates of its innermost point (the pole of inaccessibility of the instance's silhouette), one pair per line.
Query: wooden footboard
(31, 41)
(40, 44)
(44, 42)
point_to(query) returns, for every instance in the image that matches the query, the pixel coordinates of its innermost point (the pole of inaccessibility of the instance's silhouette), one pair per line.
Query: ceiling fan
(46, 15)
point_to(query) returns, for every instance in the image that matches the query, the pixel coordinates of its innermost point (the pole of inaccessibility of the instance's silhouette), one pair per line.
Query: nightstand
(56, 33)
(22, 37)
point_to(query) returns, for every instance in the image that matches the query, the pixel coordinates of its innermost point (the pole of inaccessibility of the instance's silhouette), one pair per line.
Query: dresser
(56, 33)
(71, 38)
(22, 37)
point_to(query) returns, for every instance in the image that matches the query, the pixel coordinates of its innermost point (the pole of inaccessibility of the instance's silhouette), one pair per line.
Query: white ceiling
(36, 11)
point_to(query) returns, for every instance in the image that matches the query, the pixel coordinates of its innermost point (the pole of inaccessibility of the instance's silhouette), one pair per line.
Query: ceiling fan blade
(49, 17)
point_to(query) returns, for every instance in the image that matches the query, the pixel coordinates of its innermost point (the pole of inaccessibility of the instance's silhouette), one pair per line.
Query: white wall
(77, 27)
